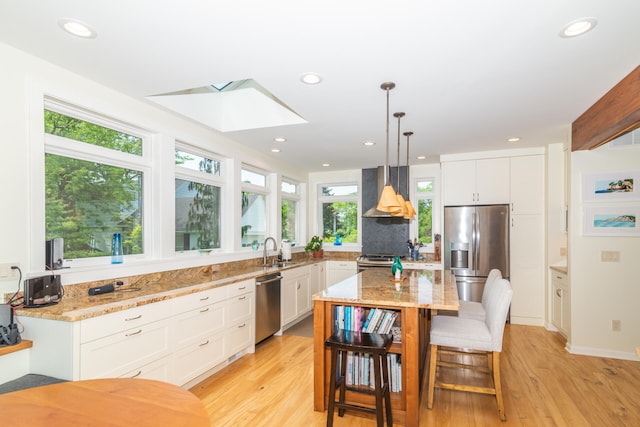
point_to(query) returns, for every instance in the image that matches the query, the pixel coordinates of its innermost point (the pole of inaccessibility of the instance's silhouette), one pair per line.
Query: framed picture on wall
(611, 221)
(618, 186)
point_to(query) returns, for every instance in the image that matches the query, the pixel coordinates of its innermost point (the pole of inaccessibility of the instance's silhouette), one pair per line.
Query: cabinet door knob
(559, 292)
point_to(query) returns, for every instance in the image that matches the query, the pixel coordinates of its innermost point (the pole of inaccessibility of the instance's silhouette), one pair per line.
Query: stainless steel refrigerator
(476, 240)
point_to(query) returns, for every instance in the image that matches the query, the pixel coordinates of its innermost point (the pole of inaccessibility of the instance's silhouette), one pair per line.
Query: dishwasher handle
(264, 282)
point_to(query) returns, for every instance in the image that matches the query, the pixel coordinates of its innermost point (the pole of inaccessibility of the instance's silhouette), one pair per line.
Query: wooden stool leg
(386, 388)
(332, 387)
(343, 380)
(497, 385)
(377, 365)
(433, 358)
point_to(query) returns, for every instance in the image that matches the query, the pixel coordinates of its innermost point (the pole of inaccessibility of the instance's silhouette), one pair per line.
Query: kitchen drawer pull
(204, 310)
(136, 375)
(204, 343)
(133, 333)
(242, 326)
(559, 292)
(241, 298)
(204, 299)
(242, 288)
(133, 318)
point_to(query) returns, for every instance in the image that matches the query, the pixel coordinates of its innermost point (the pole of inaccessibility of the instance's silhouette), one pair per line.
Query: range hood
(373, 212)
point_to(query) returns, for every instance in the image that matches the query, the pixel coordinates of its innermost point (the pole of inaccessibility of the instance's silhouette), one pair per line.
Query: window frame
(61, 146)
(189, 174)
(322, 199)
(296, 198)
(435, 208)
(258, 189)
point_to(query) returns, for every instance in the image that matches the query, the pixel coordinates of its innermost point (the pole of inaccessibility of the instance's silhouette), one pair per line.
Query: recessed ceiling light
(311, 78)
(275, 150)
(326, 165)
(77, 28)
(514, 139)
(422, 157)
(279, 139)
(578, 27)
(369, 143)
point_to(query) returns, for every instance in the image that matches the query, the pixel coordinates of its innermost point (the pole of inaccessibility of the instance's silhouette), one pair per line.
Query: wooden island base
(412, 300)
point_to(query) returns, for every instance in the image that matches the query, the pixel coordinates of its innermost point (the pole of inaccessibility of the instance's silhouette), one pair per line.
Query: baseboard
(601, 352)
(529, 321)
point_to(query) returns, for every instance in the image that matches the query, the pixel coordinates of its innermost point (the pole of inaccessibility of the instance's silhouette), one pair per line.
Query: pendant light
(411, 212)
(388, 200)
(403, 208)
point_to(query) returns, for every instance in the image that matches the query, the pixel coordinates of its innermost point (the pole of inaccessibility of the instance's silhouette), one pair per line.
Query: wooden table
(104, 402)
(419, 292)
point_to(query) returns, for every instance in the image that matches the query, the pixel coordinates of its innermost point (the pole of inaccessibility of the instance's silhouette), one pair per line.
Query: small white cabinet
(340, 270)
(295, 298)
(316, 277)
(471, 182)
(560, 314)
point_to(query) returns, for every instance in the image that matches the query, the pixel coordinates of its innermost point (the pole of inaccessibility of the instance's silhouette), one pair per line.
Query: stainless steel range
(365, 262)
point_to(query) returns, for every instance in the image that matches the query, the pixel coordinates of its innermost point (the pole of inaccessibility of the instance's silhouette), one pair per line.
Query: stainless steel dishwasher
(267, 306)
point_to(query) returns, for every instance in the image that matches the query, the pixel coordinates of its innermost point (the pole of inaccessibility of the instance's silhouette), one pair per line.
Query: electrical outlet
(6, 270)
(616, 325)
(610, 256)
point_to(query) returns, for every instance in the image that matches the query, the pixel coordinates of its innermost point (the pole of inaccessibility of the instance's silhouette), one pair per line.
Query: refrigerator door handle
(474, 241)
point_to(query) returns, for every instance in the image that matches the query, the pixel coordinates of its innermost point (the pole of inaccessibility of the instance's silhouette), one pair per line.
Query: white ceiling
(469, 73)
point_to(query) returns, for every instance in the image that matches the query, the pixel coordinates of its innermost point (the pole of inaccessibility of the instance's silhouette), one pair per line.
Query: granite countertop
(417, 288)
(79, 307)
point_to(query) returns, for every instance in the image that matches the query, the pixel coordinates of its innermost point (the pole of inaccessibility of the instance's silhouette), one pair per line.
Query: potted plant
(315, 247)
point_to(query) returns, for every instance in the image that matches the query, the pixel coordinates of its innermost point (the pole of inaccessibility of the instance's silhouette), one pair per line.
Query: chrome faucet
(265, 251)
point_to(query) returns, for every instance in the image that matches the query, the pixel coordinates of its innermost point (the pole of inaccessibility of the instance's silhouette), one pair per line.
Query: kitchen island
(411, 298)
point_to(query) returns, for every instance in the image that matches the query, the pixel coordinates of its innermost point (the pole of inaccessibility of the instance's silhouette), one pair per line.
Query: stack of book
(359, 371)
(375, 320)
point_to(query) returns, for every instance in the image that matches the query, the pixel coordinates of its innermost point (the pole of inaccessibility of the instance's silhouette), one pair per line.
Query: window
(339, 204)
(94, 182)
(197, 201)
(254, 207)
(290, 201)
(424, 196)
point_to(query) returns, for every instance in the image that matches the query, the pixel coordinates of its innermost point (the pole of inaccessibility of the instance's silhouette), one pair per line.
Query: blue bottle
(338, 240)
(116, 249)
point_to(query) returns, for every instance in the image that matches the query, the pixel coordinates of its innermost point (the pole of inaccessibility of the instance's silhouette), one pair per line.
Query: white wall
(602, 291)
(24, 80)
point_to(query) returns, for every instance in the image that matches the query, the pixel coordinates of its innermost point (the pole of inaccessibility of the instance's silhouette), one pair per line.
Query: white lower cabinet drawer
(197, 323)
(159, 370)
(240, 307)
(240, 336)
(198, 357)
(120, 353)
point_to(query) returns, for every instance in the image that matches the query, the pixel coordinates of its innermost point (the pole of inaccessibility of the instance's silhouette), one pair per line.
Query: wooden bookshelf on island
(370, 302)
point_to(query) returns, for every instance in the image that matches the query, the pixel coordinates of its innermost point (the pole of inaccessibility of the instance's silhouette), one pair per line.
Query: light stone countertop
(417, 288)
(76, 308)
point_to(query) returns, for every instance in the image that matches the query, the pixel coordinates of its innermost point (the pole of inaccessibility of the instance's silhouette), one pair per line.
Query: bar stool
(377, 345)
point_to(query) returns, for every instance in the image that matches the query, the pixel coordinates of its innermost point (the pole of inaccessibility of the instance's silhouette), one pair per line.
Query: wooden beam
(616, 113)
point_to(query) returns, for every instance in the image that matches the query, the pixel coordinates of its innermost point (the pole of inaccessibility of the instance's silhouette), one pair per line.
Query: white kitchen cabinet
(316, 277)
(119, 353)
(240, 317)
(560, 315)
(340, 270)
(174, 340)
(527, 269)
(473, 182)
(295, 298)
(527, 185)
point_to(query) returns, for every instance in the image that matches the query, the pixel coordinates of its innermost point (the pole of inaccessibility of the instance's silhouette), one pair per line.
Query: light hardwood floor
(543, 385)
